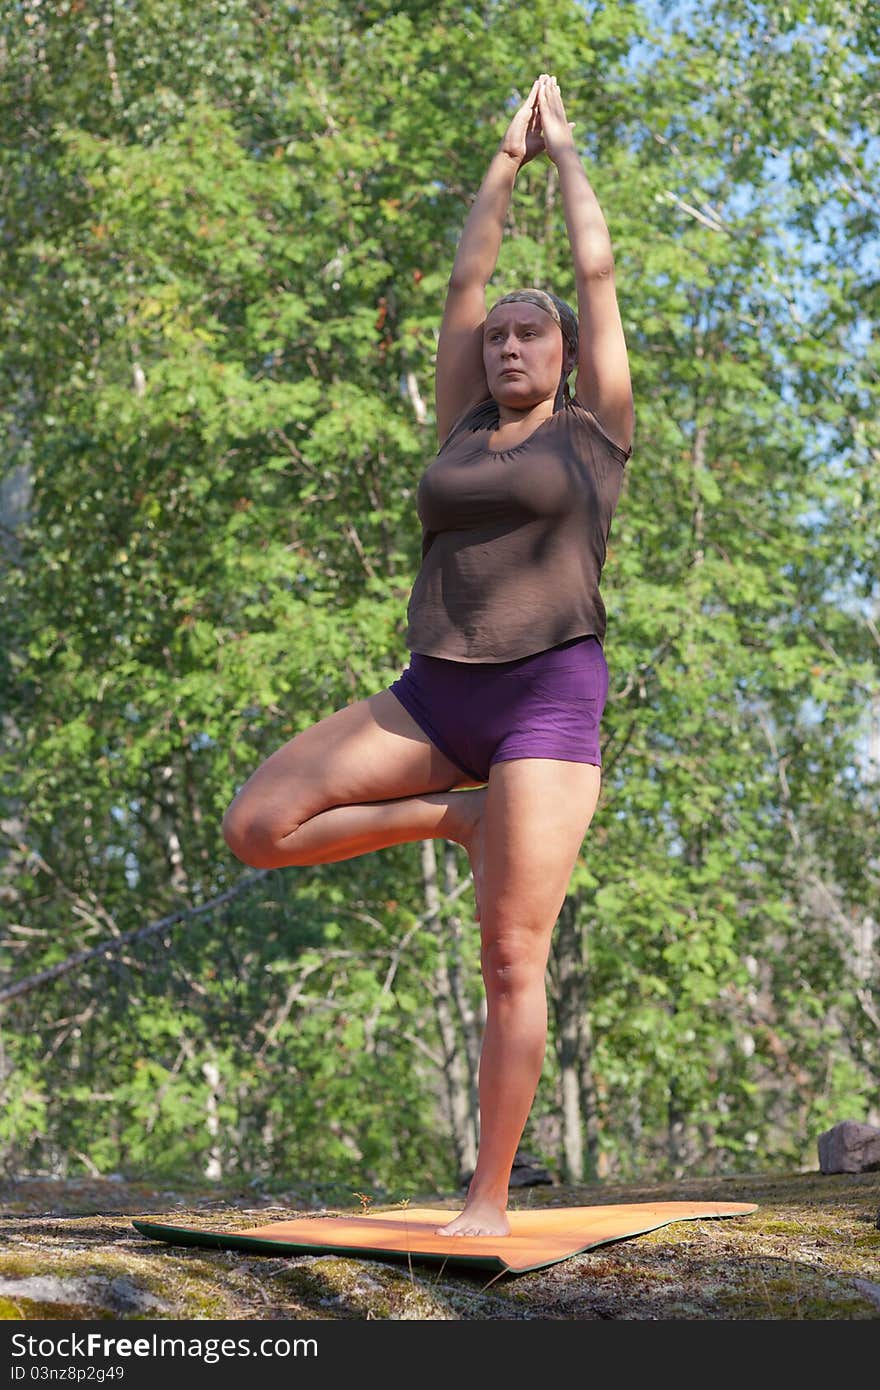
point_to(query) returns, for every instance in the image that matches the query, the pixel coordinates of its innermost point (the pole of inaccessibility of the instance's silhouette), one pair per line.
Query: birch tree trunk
(457, 1079)
(579, 1111)
(470, 1021)
(214, 1162)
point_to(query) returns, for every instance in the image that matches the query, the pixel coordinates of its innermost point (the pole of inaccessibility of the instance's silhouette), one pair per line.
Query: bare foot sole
(477, 1219)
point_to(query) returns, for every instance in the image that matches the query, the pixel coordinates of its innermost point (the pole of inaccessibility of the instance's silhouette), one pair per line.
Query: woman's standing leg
(536, 815)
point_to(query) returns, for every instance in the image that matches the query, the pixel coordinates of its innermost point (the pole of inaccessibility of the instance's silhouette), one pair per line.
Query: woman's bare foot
(473, 837)
(481, 1217)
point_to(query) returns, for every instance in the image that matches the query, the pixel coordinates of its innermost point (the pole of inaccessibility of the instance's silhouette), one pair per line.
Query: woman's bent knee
(247, 840)
(235, 834)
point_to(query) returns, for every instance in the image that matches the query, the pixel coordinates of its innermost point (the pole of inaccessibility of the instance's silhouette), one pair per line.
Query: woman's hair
(557, 308)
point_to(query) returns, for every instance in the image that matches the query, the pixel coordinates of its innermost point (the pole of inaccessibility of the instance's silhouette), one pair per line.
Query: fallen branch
(111, 947)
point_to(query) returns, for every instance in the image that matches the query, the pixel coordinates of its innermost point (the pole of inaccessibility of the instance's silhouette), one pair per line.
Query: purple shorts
(548, 705)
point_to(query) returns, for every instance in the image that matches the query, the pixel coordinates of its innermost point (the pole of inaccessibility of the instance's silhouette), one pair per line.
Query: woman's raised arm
(603, 379)
(460, 379)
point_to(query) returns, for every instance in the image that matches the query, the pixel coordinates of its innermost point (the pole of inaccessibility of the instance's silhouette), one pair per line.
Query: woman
(507, 679)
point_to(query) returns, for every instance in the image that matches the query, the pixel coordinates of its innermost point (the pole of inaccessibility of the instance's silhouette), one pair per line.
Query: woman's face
(522, 354)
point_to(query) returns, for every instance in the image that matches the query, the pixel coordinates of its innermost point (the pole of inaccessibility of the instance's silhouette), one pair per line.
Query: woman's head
(530, 344)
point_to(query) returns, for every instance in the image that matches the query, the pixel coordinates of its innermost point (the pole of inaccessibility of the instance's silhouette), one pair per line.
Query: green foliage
(226, 245)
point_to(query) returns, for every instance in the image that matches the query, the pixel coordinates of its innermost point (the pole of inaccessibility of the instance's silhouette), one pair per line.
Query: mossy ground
(811, 1251)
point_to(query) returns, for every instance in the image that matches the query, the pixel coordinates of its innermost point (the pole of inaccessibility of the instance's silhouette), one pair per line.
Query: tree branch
(111, 947)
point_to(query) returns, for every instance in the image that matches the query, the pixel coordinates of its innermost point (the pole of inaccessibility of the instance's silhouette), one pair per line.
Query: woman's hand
(556, 130)
(523, 138)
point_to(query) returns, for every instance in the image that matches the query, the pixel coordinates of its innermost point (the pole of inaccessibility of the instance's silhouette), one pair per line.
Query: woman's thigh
(372, 750)
(538, 811)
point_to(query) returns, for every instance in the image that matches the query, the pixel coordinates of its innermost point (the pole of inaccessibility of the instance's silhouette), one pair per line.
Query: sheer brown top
(514, 540)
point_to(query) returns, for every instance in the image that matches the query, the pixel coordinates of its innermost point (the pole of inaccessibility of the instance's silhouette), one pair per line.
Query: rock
(849, 1148)
(530, 1177)
(95, 1268)
(868, 1290)
(120, 1296)
(527, 1171)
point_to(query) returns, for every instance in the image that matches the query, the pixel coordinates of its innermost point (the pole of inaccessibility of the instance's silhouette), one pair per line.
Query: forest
(227, 231)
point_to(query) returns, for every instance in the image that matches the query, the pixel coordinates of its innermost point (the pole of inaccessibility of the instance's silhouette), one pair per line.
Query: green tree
(224, 257)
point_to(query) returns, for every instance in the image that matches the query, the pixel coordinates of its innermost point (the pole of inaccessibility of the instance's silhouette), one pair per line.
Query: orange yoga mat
(537, 1238)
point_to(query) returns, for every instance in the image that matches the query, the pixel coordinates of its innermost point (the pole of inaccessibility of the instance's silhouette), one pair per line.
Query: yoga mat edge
(233, 1240)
